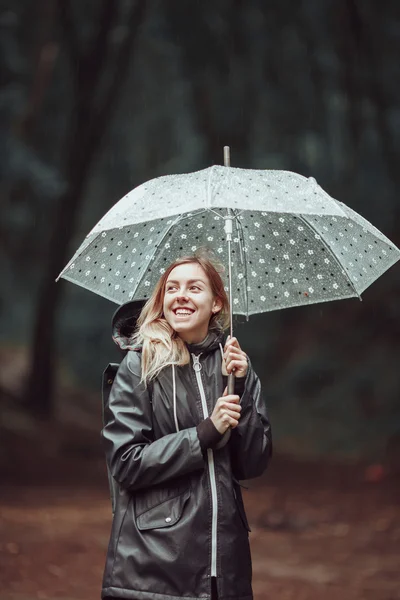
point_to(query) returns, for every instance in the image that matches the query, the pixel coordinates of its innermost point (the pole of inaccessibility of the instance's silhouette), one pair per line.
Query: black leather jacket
(179, 517)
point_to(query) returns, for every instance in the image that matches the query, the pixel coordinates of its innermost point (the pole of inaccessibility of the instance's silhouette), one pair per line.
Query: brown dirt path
(318, 532)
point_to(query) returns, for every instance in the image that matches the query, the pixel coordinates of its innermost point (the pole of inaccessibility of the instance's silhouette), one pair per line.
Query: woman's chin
(183, 328)
(190, 335)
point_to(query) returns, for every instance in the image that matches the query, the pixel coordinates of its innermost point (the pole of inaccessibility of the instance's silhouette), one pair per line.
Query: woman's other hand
(226, 412)
(234, 358)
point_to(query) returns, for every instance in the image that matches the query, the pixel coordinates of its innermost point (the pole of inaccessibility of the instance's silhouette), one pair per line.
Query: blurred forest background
(97, 97)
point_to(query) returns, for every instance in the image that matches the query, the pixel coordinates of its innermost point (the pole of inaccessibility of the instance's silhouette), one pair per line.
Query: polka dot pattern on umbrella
(279, 259)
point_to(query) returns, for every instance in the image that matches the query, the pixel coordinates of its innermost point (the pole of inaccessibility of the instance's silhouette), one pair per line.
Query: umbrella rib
(91, 289)
(332, 254)
(139, 279)
(244, 260)
(76, 255)
(178, 218)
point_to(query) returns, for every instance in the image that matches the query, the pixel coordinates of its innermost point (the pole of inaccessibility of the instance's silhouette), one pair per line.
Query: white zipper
(211, 470)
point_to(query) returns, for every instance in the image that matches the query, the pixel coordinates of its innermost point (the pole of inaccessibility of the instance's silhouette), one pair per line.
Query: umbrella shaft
(230, 288)
(231, 376)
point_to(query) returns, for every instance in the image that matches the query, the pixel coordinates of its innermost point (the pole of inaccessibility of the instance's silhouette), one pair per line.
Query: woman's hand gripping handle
(226, 413)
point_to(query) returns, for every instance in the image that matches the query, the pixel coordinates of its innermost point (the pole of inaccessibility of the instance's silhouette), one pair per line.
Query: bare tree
(98, 74)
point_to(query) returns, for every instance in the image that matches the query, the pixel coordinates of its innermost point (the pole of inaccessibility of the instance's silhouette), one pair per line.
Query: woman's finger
(229, 398)
(232, 342)
(231, 413)
(230, 406)
(235, 354)
(233, 350)
(238, 365)
(231, 422)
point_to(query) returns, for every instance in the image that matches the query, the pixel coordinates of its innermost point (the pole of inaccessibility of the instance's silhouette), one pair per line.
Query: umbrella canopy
(292, 244)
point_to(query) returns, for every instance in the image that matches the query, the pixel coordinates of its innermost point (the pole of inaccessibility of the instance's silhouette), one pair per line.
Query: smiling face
(189, 302)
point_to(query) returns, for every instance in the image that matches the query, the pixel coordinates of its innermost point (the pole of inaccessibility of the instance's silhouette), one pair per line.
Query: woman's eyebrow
(188, 282)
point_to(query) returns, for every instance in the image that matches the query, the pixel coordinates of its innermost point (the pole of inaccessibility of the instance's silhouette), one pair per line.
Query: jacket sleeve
(251, 440)
(134, 457)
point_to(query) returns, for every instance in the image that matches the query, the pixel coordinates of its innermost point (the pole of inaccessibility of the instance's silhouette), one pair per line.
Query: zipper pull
(197, 366)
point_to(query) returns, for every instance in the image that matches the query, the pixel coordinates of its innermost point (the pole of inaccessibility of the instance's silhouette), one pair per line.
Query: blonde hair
(161, 345)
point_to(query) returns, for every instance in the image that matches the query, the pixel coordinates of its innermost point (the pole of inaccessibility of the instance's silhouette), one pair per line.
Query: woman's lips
(183, 312)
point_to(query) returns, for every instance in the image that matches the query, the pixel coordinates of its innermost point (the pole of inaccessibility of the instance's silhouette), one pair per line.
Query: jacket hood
(124, 321)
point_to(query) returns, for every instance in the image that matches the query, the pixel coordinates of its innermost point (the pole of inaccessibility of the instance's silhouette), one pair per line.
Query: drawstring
(174, 397)
(222, 351)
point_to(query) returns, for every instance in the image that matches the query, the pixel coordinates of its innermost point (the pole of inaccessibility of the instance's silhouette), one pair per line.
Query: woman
(179, 528)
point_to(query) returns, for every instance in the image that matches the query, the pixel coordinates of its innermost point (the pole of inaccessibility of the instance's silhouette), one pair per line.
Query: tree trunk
(89, 127)
(41, 377)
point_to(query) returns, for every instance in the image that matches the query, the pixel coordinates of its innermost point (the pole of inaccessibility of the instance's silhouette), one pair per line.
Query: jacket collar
(209, 344)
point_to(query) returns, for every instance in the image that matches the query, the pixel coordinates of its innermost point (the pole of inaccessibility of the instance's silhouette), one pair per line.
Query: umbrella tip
(227, 156)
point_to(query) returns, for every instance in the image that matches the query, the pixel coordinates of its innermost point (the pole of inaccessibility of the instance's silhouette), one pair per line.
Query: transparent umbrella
(284, 240)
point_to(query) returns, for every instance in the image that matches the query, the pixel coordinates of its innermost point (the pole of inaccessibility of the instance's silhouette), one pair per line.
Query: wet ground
(318, 532)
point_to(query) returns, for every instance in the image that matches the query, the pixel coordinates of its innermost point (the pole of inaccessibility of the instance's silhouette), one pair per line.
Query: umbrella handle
(224, 440)
(231, 383)
(227, 434)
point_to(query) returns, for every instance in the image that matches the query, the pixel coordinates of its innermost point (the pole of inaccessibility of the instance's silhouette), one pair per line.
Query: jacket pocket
(164, 514)
(240, 506)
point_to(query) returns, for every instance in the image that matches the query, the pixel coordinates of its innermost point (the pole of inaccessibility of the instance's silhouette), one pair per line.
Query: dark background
(98, 96)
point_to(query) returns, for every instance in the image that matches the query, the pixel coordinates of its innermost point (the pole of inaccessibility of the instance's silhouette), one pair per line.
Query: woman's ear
(217, 305)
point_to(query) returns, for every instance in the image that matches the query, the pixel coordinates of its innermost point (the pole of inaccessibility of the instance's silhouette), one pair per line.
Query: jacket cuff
(208, 434)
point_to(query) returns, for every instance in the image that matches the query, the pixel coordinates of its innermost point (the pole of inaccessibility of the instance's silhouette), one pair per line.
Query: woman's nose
(182, 297)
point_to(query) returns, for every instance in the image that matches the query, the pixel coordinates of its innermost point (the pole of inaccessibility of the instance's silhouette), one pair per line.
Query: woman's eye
(194, 287)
